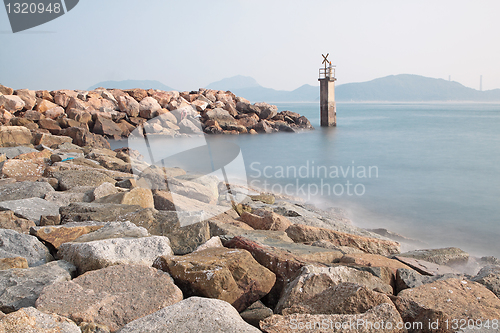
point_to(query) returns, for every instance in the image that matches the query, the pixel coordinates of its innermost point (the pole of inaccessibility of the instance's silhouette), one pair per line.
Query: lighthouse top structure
(328, 72)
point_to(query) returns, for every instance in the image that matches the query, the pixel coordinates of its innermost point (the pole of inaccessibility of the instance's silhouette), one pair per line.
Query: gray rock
(192, 315)
(27, 320)
(77, 212)
(72, 178)
(11, 152)
(112, 296)
(445, 256)
(489, 276)
(186, 239)
(31, 208)
(114, 230)
(14, 244)
(25, 190)
(103, 253)
(66, 197)
(409, 278)
(103, 190)
(255, 313)
(22, 286)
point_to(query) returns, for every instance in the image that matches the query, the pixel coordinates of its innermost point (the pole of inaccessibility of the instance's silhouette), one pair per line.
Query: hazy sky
(189, 44)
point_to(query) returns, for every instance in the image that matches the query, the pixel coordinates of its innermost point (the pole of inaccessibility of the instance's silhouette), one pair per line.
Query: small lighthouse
(327, 93)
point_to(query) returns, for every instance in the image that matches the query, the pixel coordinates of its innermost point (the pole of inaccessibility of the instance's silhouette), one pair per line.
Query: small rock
(193, 314)
(255, 313)
(213, 242)
(29, 319)
(112, 296)
(22, 286)
(14, 244)
(265, 220)
(116, 251)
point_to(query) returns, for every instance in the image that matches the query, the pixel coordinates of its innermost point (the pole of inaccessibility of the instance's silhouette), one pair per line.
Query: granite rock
(30, 320)
(14, 244)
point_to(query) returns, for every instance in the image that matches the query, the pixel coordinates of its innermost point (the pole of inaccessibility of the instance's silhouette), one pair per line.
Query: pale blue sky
(189, 44)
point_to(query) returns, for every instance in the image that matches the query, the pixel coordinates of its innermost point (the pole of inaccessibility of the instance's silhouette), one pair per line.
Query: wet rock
(489, 276)
(113, 296)
(22, 286)
(304, 234)
(24, 190)
(445, 256)
(265, 220)
(31, 209)
(116, 251)
(72, 178)
(312, 281)
(303, 323)
(194, 314)
(57, 235)
(30, 319)
(17, 262)
(9, 221)
(230, 275)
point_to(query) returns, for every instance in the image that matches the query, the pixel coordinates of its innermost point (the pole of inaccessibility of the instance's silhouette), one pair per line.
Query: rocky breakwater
(87, 245)
(88, 117)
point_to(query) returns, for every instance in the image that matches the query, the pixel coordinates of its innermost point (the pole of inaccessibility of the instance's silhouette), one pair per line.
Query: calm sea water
(427, 171)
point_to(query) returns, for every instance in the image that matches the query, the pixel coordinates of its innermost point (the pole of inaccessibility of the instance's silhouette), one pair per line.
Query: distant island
(393, 88)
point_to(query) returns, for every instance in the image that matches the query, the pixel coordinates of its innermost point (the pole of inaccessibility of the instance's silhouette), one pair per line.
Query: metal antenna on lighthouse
(325, 59)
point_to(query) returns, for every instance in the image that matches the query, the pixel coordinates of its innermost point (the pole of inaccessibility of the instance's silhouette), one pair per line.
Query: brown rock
(62, 97)
(125, 127)
(21, 170)
(230, 275)
(51, 125)
(137, 94)
(82, 137)
(105, 126)
(149, 108)
(16, 262)
(265, 220)
(11, 103)
(10, 221)
(50, 140)
(129, 105)
(46, 220)
(457, 299)
(28, 97)
(57, 235)
(78, 104)
(43, 105)
(162, 97)
(163, 200)
(263, 126)
(312, 280)
(304, 234)
(54, 112)
(12, 136)
(136, 196)
(112, 296)
(306, 323)
(417, 318)
(6, 90)
(44, 94)
(29, 319)
(343, 298)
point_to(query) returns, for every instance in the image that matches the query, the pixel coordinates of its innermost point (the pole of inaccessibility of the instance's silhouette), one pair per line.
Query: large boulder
(444, 256)
(191, 315)
(27, 320)
(116, 251)
(489, 276)
(374, 320)
(14, 244)
(303, 234)
(265, 220)
(11, 103)
(69, 179)
(456, 299)
(22, 286)
(25, 190)
(11, 136)
(112, 296)
(230, 275)
(31, 209)
(312, 280)
(10, 221)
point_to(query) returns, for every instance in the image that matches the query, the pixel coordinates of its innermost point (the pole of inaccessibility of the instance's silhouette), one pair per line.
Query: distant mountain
(130, 84)
(235, 82)
(412, 88)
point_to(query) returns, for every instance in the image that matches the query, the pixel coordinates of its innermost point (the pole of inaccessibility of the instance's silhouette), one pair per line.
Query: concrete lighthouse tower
(327, 93)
